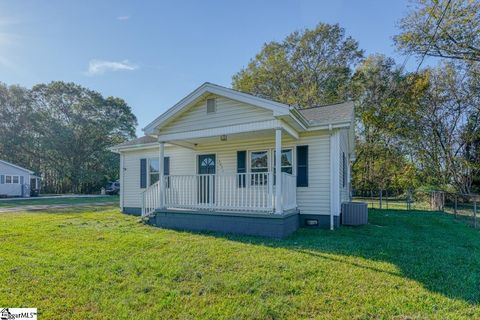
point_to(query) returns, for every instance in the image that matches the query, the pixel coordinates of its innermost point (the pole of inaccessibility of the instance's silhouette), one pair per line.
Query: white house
(234, 162)
(16, 181)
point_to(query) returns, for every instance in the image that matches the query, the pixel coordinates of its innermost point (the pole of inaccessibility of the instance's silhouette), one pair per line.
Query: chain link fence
(461, 205)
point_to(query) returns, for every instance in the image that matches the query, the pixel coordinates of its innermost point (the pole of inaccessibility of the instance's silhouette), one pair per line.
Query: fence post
(455, 207)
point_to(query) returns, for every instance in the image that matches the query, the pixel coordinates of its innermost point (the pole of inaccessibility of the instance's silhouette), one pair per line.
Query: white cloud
(123, 18)
(98, 67)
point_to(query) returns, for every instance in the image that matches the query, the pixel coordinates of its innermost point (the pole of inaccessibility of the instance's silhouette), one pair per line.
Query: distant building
(16, 181)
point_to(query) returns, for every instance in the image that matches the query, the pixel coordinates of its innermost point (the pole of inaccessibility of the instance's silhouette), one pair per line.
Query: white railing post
(278, 171)
(210, 189)
(271, 197)
(161, 163)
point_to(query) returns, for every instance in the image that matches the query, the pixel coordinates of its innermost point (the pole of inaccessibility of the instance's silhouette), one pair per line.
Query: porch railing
(249, 192)
(151, 199)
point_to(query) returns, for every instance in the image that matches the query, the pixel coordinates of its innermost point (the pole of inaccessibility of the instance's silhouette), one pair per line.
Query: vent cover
(211, 105)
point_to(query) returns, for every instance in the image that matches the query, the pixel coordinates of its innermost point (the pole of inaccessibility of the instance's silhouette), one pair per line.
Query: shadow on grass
(433, 248)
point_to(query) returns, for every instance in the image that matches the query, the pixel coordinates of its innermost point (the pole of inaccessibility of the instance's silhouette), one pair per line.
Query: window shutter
(241, 167)
(302, 166)
(166, 166)
(2, 179)
(21, 179)
(166, 169)
(143, 173)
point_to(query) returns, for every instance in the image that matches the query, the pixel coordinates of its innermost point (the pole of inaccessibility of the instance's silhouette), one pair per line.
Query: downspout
(332, 175)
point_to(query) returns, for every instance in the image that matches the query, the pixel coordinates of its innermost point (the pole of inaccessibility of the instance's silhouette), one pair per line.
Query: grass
(95, 263)
(59, 200)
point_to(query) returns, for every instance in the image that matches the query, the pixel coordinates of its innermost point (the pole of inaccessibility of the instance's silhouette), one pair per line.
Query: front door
(206, 183)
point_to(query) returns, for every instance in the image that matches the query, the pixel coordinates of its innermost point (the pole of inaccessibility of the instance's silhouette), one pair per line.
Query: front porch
(260, 184)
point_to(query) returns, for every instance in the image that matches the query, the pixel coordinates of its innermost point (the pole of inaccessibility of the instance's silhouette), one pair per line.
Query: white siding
(313, 199)
(182, 161)
(228, 112)
(14, 190)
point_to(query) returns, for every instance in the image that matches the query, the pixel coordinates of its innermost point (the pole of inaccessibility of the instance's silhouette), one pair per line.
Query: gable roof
(277, 107)
(15, 166)
(329, 114)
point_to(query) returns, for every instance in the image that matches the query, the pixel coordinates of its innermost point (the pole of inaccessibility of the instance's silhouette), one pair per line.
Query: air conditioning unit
(354, 213)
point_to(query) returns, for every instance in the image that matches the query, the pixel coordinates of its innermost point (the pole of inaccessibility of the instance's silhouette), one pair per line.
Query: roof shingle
(335, 113)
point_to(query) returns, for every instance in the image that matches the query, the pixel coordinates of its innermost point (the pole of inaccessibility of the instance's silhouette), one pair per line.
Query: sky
(153, 53)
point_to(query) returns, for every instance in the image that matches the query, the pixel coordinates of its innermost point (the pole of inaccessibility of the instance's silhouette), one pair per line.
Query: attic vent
(211, 105)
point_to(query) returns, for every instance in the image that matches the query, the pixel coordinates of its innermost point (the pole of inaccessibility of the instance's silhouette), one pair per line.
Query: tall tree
(442, 28)
(445, 123)
(310, 67)
(382, 97)
(63, 131)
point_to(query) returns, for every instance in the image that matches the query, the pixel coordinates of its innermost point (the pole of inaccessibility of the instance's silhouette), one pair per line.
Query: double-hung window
(286, 161)
(153, 171)
(259, 164)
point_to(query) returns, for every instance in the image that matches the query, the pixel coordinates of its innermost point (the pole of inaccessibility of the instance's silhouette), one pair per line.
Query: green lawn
(95, 263)
(59, 200)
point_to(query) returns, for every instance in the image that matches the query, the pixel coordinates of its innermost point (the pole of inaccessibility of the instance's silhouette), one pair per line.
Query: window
(211, 105)
(9, 179)
(258, 164)
(153, 172)
(286, 161)
(259, 161)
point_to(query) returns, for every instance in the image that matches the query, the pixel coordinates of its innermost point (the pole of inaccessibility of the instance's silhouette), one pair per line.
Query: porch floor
(244, 223)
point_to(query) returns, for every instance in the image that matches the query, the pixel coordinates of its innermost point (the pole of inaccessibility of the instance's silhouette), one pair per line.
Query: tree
(445, 126)
(63, 131)
(382, 95)
(442, 28)
(307, 68)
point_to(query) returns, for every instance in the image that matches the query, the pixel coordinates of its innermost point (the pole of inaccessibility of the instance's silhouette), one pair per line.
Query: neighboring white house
(219, 151)
(16, 181)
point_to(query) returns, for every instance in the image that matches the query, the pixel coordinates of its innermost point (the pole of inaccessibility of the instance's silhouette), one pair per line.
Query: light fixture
(223, 137)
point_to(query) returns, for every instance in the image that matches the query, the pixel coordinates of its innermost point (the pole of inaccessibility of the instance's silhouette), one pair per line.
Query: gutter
(133, 147)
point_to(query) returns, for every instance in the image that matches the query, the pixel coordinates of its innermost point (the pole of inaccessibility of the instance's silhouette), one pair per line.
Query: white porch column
(278, 171)
(161, 162)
